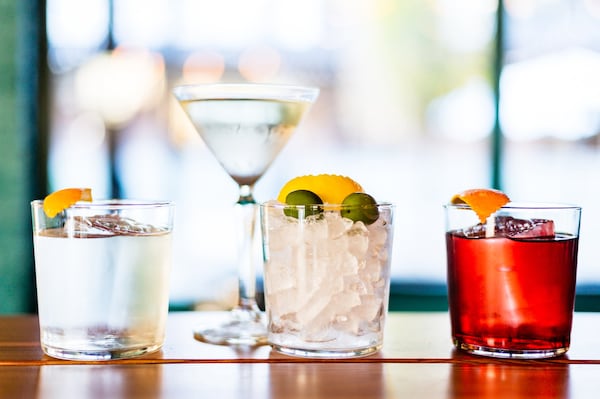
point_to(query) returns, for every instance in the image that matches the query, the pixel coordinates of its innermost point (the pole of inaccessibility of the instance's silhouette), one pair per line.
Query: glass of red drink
(511, 280)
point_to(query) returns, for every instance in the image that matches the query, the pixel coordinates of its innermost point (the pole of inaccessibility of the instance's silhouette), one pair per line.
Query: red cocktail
(511, 282)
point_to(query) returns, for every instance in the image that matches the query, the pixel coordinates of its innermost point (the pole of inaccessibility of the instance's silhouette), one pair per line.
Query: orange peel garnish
(332, 189)
(483, 201)
(60, 200)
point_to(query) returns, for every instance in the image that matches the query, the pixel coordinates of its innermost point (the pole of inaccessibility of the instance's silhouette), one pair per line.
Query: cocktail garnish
(60, 200)
(332, 189)
(483, 201)
(360, 206)
(302, 197)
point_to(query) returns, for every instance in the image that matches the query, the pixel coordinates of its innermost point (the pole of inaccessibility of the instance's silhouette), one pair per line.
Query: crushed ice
(325, 255)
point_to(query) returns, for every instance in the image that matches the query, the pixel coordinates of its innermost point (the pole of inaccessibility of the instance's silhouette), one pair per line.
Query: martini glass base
(245, 327)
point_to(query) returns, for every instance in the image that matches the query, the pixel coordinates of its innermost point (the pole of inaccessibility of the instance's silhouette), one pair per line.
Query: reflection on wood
(417, 362)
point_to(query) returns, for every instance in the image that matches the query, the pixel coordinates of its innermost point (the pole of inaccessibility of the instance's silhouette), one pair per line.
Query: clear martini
(245, 126)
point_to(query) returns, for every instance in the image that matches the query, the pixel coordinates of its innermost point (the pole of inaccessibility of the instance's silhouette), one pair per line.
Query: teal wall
(14, 222)
(23, 77)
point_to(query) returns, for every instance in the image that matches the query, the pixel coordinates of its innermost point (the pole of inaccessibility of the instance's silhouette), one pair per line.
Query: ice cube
(363, 317)
(536, 229)
(354, 283)
(347, 264)
(286, 237)
(121, 226)
(280, 323)
(344, 301)
(312, 308)
(358, 240)
(287, 301)
(319, 329)
(378, 236)
(105, 225)
(318, 294)
(334, 311)
(314, 230)
(337, 225)
(523, 228)
(80, 226)
(281, 276)
(370, 307)
(508, 226)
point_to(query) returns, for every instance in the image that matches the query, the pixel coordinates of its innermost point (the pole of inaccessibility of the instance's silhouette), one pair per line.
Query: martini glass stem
(247, 266)
(246, 325)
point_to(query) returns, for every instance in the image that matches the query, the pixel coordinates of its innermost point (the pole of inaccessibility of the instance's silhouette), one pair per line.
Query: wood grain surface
(417, 361)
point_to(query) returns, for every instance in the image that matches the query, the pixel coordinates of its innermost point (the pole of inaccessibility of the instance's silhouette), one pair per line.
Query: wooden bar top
(417, 361)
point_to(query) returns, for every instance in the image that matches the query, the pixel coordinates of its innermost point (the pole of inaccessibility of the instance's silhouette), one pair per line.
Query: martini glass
(245, 126)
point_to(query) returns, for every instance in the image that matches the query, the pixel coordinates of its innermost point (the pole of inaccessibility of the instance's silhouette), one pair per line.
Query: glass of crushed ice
(326, 279)
(102, 272)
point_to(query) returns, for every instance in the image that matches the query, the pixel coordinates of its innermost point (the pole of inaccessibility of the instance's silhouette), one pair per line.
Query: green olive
(303, 197)
(360, 206)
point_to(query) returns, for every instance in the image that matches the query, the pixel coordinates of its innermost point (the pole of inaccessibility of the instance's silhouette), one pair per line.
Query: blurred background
(419, 100)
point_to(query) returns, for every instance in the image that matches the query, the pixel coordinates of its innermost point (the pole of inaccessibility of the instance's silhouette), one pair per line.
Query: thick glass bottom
(510, 353)
(245, 328)
(327, 353)
(230, 334)
(98, 354)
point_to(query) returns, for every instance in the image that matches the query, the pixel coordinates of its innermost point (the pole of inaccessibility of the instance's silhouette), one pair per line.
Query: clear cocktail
(245, 126)
(102, 272)
(245, 134)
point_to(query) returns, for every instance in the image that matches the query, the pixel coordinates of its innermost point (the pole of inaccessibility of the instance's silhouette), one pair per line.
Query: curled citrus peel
(60, 200)
(483, 201)
(332, 189)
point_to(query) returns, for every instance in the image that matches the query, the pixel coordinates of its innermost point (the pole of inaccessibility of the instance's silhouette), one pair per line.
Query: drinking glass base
(98, 354)
(510, 353)
(326, 353)
(244, 328)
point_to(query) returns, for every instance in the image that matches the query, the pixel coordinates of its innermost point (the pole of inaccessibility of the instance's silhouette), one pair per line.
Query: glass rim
(245, 90)
(273, 204)
(114, 204)
(524, 205)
